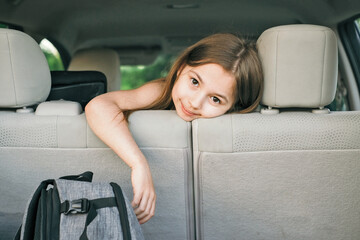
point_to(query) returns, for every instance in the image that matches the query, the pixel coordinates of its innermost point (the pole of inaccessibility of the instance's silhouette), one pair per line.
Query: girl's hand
(144, 192)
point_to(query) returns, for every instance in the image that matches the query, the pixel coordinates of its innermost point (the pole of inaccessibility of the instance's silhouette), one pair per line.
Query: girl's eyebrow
(198, 76)
(201, 81)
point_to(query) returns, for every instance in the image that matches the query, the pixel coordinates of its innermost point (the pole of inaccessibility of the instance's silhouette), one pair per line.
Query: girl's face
(204, 91)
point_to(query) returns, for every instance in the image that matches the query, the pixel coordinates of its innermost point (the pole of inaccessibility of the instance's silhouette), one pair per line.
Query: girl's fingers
(144, 193)
(149, 206)
(150, 215)
(142, 206)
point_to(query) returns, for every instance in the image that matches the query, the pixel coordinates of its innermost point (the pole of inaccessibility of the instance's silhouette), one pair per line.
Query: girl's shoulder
(154, 87)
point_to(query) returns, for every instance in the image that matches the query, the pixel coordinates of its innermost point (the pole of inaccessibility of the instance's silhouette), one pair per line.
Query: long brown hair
(236, 55)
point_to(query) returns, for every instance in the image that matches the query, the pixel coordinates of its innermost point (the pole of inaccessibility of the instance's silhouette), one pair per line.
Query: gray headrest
(24, 72)
(300, 65)
(104, 60)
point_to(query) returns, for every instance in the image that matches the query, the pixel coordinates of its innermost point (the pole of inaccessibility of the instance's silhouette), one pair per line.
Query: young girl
(219, 74)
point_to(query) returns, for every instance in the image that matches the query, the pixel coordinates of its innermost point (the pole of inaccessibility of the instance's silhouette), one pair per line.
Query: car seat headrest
(104, 60)
(300, 65)
(24, 72)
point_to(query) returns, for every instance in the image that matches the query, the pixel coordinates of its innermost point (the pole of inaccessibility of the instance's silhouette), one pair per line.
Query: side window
(135, 76)
(340, 102)
(349, 32)
(52, 55)
(350, 36)
(357, 24)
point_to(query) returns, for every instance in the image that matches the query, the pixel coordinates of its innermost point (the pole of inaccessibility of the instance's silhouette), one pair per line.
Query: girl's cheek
(185, 90)
(213, 111)
(209, 110)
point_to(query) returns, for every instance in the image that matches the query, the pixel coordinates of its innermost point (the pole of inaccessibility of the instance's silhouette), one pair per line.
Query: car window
(133, 76)
(357, 23)
(52, 55)
(340, 102)
(349, 32)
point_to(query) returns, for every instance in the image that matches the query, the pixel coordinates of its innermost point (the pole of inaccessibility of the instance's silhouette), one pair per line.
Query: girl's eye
(215, 99)
(194, 82)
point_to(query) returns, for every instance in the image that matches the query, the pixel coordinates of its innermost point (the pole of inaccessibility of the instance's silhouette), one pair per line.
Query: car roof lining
(118, 24)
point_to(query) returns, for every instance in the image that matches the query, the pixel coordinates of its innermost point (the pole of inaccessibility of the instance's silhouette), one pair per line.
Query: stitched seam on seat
(188, 182)
(232, 133)
(57, 131)
(87, 133)
(201, 194)
(12, 69)
(276, 65)
(323, 71)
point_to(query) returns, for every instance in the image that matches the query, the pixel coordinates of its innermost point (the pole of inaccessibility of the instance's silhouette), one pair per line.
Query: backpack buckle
(77, 206)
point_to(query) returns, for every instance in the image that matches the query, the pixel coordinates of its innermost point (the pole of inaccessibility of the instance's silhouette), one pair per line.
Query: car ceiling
(169, 25)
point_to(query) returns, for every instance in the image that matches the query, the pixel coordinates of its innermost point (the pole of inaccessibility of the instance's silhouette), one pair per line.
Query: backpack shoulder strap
(121, 204)
(29, 226)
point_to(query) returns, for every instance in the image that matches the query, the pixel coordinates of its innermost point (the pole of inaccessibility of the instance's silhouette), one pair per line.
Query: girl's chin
(184, 117)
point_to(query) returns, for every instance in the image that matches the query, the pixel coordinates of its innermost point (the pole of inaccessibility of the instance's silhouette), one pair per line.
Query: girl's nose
(196, 101)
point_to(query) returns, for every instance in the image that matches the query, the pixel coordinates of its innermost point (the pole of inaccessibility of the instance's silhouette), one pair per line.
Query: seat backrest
(288, 174)
(55, 140)
(99, 59)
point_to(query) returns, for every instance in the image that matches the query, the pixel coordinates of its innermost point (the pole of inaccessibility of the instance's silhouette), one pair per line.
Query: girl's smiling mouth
(187, 112)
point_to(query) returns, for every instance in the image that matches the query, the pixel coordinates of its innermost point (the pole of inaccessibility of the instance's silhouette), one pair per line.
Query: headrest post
(321, 110)
(269, 111)
(25, 110)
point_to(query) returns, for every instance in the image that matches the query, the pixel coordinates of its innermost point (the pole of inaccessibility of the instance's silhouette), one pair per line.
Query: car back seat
(288, 174)
(55, 140)
(104, 60)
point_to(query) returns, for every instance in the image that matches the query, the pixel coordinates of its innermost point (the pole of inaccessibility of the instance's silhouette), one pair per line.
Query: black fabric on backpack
(73, 207)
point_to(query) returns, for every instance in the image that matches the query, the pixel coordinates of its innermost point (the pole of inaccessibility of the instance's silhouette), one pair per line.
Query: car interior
(289, 170)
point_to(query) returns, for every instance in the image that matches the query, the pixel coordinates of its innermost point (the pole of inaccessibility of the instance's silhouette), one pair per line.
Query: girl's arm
(105, 117)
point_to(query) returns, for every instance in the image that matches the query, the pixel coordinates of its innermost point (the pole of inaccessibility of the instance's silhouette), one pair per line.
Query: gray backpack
(73, 207)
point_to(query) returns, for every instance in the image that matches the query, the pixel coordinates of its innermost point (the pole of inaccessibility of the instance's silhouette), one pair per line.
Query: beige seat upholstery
(55, 140)
(100, 59)
(16, 90)
(288, 174)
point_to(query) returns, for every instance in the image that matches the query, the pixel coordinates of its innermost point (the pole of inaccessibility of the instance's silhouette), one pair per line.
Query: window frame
(350, 38)
(12, 26)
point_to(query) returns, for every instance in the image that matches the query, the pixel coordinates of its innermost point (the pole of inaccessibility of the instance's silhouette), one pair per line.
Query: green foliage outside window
(55, 63)
(52, 55)
(135, 76)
